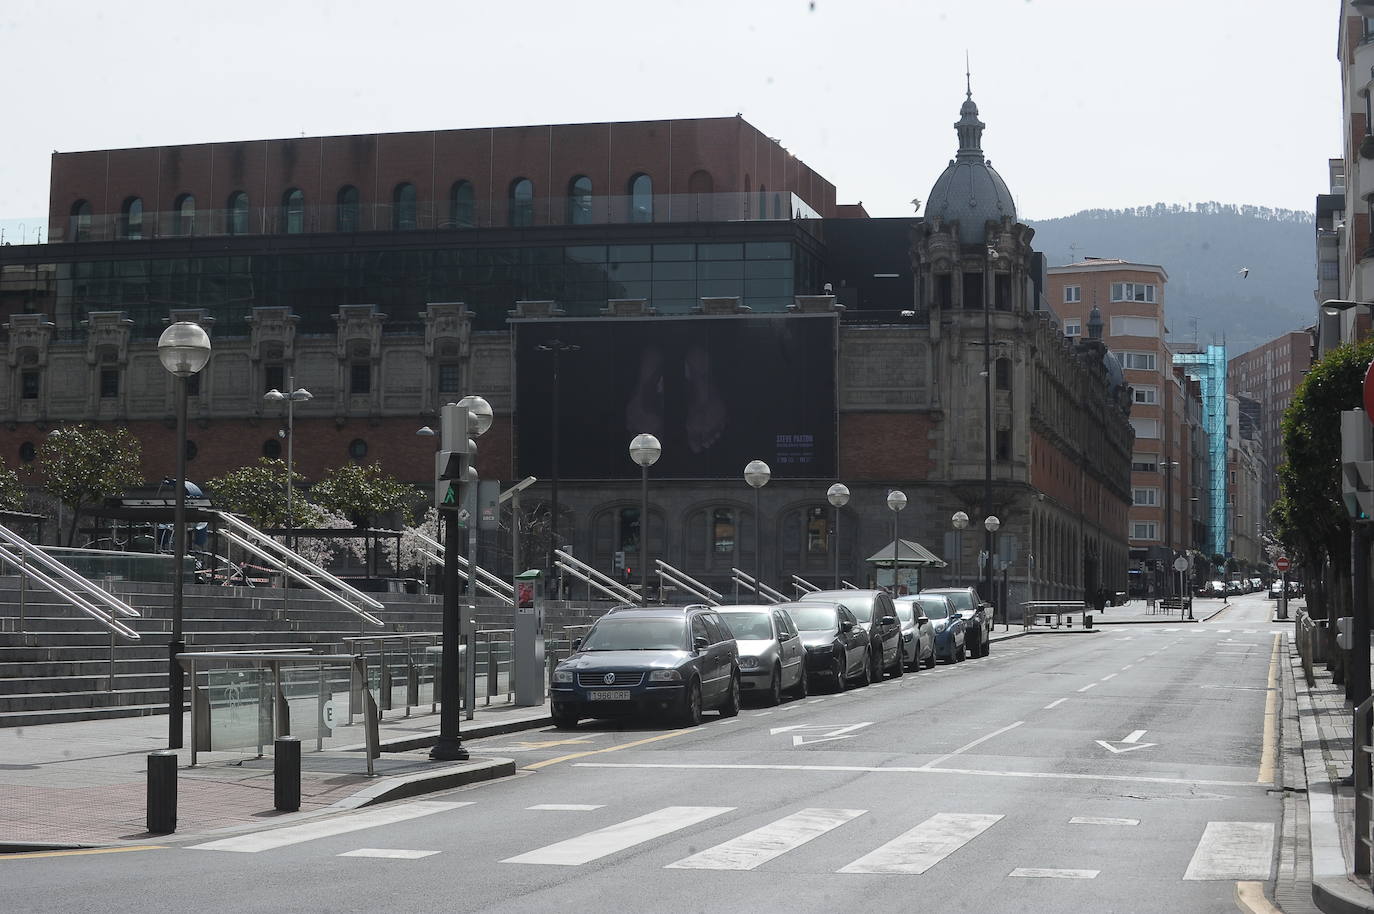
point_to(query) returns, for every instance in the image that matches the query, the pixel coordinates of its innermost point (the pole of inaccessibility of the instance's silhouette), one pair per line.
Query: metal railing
(593, 578)
(678, 578)
(290, 564)
(1364, 791)
(802, 585)
(276, 706)
(78, 591)
(739, 577)
(357, 646)
(1033, 609)
(488, 583)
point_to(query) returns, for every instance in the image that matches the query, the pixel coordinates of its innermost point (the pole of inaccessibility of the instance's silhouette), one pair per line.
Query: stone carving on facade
(447, 322)
(107, 332)
(29, 333)
(274, 329)
(359, 340)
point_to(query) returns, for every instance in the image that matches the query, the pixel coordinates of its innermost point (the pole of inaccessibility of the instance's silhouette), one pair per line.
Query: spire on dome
(969, 128)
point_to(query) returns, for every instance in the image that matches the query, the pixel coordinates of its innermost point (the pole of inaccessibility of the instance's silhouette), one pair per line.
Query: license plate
(611, 695)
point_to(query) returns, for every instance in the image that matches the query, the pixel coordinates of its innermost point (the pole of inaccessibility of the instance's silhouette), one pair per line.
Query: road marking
(388, 854)
(1134, 736)
(1088, 686)
(1233, 850)
(565, 807)
(605, 841)
(83, 852)
(868, 769)
(757, 847)
(1269, 752)
(310, 831)
(1130, 743)
(1054, 704)
(967, 746)
(639, 742)
(825, 733)
(1127, 667)
(761, 714)
(815, 701)
(1036, 873)
(915, 851)
(1098, 820)
(1108, 676)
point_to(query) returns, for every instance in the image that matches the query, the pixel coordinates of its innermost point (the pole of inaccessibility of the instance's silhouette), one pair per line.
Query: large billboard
(717, 392)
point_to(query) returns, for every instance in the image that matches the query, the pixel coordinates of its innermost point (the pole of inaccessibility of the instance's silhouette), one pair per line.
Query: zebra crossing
(1223, 851)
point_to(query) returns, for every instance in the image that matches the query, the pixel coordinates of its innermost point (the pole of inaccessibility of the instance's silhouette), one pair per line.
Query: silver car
(918, 635)
(771, 657)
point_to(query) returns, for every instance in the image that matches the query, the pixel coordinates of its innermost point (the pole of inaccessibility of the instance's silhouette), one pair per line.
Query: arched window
(521, 202)
(461, 205)
(184, 217)
(403, 207)
(81, 220)
(293, 211)
(641, 198)
(580, 200)
(131, 219)
(236, 214)
(346, 209)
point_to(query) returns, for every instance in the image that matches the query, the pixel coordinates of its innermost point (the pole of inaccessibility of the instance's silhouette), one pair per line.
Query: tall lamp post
(299, 395)
(987, 413)
(960, 521)
(991, 524)
(557, 347)
(838, 496)
(184, 349)
(757, 474)
(896, 500)
(1167, 467)
(644, 450)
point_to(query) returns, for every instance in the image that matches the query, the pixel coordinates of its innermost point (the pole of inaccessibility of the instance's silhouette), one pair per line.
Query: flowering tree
(82, 465)
(363, 493)
(259, 494)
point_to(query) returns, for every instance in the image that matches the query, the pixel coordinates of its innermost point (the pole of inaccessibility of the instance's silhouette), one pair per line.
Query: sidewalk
(1316, 861)
(1137, 612)
(85, 783)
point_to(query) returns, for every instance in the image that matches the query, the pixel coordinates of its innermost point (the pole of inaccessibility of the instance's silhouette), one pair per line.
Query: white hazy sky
(1089, 103)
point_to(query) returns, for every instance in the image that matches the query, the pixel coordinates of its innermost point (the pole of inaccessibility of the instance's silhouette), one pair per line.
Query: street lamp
(557, 347)
(960, 521)
(184, 349)
(991, 524)
(896, 500)
(1166, 467)
(757, 474)
(644, 450)
(838, 496)
(300, 395)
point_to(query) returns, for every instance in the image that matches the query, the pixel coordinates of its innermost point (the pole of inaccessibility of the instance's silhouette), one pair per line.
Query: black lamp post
(184, 349)
(896, 500)
(557, 347)
(757, 474)
(838, 496)
(644, 450)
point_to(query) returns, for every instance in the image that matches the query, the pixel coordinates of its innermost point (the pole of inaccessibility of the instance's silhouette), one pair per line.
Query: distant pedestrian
(1100, 600)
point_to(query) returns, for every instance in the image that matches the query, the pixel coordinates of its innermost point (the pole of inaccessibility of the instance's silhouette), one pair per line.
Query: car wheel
(987, 646)
(930, 663)
(775, 687)
(564, 721)
(841, 667)
(875, 671)
(960, 653)
(866, 674)
(731, 706)
(970, 647)
(802, 688)
(898, 665)
(691, 705)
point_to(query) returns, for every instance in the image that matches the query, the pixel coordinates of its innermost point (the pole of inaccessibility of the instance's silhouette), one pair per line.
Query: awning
(909, 555)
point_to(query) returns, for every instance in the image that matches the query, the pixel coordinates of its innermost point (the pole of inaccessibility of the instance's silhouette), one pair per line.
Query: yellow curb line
(1271, 712)
(564, 758)
(85, 851)
(1250, 897)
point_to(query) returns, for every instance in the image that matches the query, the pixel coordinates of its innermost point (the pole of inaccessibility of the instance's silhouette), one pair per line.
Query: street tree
(363, 493)
(12, 492)
(258, 493)
(83, 465)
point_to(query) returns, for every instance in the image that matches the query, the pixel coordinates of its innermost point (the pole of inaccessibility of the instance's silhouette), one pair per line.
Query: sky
(1088, 103)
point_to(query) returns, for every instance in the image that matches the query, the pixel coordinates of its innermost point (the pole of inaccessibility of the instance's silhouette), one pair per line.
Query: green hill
(1203, 247)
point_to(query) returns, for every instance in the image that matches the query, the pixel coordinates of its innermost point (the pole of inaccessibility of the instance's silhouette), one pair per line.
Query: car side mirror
(846, 625)
(888, 620)
(577, 642)
(922, 620)
(785, 636)
(700, 644)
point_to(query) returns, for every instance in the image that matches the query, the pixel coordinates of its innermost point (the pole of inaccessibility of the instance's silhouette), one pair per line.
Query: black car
(663, 661)
(837, 647)
(977, 622)
(877, 615)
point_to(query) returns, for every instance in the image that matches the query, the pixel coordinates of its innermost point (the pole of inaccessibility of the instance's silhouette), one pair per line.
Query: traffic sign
(1181, 563)
(1282, 563)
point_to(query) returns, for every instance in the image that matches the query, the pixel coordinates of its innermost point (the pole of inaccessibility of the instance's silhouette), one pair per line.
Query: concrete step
(34, 718)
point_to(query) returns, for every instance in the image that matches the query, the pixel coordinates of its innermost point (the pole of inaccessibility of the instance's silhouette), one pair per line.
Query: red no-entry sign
(1282, 563)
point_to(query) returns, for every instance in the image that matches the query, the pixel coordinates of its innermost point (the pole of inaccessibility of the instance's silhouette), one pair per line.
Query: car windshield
(636, 635)
(814, 618)
(862, 608)
(904, 613)
(749, 626)
(935, 608)
(960, 598)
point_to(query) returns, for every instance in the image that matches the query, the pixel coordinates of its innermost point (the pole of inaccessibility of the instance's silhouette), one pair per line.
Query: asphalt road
(1125, 770)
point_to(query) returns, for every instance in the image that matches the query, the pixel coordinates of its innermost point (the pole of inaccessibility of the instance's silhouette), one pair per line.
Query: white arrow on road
(1129, 744)
(823, 733)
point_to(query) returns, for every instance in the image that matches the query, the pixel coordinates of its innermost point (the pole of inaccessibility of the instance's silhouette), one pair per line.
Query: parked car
(1276, 590)
(1214, 588)
(918, 633)
(837, 647)
(874, 611)
(947, 626)
(771, 657)
(662, 661)
(977, 621)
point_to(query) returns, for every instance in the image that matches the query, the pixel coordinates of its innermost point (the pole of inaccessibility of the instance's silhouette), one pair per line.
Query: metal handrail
(803, 585)
(266, 542)
(758, 587)
(679, 578)
(588, 570)
(494, 585)
(1362, 775)
(58, 570)
(564, 566)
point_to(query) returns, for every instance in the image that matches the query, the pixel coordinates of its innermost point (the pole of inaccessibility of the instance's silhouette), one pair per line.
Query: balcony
(540, 211)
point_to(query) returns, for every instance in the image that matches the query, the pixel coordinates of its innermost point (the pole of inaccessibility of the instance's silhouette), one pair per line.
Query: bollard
(286, 773)
(1087, 621)
(162, 792)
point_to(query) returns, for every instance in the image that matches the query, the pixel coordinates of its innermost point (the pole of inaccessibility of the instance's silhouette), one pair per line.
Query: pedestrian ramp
(1223, 851)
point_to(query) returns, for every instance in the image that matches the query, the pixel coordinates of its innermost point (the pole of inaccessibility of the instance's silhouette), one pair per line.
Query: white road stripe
(773, 840)
(915, 851)
(1087, 687)
(565, 807)
(386, 854)
(605, 841)
(1233, 850)
(1055, 703)
(1108, 676)
(1098, 820)
(967, 746)
(1036, 873)
(340, 825)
